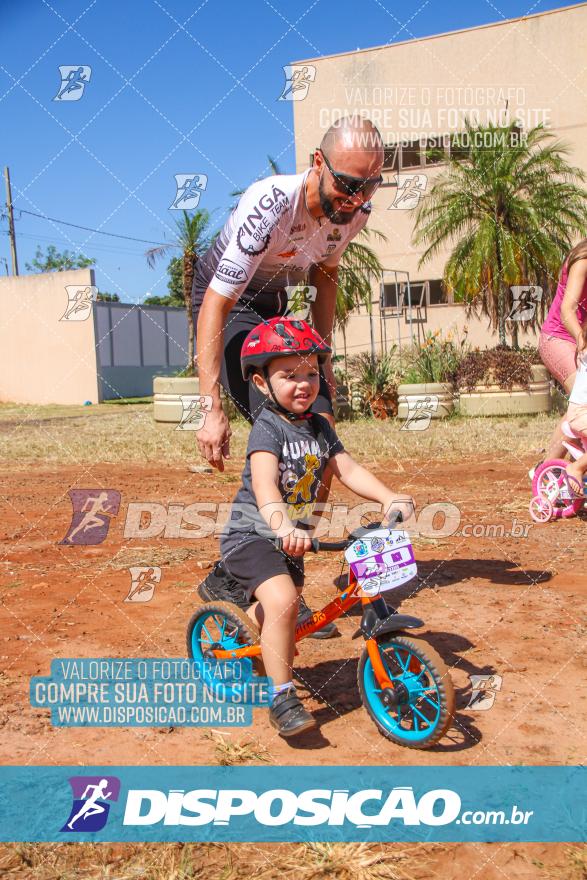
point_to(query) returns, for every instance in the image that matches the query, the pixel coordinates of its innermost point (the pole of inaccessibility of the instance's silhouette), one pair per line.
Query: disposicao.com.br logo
(90, 808)
(312, 807)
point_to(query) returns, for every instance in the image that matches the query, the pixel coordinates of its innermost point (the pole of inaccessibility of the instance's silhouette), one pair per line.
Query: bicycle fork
(379, 619)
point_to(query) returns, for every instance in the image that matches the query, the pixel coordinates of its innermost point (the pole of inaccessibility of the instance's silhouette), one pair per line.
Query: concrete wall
(114, 351)
(412, 88)
(44, 359)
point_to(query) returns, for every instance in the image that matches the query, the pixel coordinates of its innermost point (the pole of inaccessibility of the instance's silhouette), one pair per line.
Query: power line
(76, 245)
(98, 231)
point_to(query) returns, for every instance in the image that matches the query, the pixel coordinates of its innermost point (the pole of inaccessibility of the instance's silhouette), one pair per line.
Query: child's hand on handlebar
(296, 542)
(405, 504)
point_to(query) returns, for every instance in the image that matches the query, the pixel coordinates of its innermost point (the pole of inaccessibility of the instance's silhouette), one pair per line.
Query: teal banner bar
(542, 804)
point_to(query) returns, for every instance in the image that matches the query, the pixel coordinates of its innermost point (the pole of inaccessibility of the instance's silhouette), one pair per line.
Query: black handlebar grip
(314, 548)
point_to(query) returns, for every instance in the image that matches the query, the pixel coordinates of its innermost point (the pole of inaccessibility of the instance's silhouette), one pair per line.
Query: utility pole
(10, 221)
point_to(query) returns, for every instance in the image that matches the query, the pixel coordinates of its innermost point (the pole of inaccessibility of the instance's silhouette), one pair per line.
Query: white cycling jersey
(270, 241)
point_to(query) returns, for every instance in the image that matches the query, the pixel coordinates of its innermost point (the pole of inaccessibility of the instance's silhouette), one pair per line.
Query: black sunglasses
(349, 185)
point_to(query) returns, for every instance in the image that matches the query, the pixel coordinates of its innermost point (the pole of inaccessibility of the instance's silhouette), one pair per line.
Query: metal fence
(134, 343)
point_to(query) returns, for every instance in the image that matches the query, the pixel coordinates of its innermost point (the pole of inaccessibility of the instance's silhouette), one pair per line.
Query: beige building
(418, 93)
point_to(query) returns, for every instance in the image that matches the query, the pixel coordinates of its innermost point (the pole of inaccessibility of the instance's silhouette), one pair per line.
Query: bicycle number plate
(382, 560)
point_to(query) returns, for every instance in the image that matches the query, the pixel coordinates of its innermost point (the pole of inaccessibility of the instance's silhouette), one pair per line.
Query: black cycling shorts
(241, 320)
(255, 560)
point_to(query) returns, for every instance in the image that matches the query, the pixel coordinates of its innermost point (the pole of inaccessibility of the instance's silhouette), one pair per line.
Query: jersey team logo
(410, 189)
(92, 512)
(253, 248)
(298, 79)
(79, 302)
(90, 808)
(74, 80)
(189, 189)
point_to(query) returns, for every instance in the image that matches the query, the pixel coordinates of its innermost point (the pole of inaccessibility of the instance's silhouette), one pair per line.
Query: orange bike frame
(349, 597)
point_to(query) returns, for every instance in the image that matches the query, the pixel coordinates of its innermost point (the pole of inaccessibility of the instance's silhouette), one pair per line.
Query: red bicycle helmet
(280, 337)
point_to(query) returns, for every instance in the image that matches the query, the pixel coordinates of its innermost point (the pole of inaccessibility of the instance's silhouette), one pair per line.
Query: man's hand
(404, 503)
(214, 438)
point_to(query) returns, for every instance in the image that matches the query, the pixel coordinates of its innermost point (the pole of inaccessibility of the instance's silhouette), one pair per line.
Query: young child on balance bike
(288, 452)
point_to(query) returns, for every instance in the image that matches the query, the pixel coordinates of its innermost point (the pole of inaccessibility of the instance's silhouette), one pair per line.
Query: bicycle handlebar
(317, 545)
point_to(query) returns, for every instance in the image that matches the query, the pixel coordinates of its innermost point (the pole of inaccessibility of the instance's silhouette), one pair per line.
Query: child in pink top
(561, 338)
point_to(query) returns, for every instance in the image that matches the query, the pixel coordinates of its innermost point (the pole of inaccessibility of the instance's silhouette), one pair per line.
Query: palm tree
(359, 265)
(510, 211)
(193, 239)
(272, 164)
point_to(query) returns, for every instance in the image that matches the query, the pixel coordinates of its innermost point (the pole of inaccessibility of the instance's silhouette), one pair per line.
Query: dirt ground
(510, 606)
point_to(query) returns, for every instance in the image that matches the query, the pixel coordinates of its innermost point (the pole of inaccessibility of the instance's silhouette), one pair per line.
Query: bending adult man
(286, 229)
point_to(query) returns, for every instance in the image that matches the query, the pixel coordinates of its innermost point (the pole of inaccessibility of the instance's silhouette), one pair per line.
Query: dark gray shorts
(254, 561)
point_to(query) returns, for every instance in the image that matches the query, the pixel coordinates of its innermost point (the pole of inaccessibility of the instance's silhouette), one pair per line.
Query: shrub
(500, 366)
(436, 360)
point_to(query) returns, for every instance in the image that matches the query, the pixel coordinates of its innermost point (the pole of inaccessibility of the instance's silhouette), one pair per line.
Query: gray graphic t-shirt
(302, 452)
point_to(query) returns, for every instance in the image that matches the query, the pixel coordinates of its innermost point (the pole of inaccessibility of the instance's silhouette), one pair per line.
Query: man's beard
(340, 218)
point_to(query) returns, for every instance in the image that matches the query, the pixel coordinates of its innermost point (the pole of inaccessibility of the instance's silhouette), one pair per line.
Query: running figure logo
(483, 691)
(79, 302)
(194, 409)
(92, 512)
(410, 189)
(189, 189)
(525, 300)
(89, 811)
(299, 300)
(73, 82)
(298, 79)
(421, 408)
(143, 581)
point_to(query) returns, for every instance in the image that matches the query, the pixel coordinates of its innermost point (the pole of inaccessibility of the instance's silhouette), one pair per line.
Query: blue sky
(176, 87)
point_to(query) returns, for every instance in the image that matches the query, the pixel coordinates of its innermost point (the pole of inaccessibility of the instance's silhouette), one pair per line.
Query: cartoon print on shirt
(304, 485)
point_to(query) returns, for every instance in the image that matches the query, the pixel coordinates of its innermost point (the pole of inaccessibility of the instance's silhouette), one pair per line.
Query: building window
(411, 155)
(391, 158)
(422, 293)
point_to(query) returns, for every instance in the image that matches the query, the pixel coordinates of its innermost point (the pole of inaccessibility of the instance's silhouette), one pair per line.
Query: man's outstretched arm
(214, 436)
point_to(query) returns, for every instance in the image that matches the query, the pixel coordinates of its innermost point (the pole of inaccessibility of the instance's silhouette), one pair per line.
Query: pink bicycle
(552, 497)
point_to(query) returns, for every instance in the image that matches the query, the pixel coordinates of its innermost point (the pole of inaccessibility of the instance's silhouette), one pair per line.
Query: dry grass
(73, 861)
(229, 753)
(271, 861)
(351, 861)
(106, 433)
(214, 861)
(574, 866)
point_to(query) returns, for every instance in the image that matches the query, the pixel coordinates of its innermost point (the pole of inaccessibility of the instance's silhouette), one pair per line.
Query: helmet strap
(275, 405)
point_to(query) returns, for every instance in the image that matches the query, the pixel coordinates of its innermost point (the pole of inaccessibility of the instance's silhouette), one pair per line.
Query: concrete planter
(491, 400)
(436, 397)
(167, 393)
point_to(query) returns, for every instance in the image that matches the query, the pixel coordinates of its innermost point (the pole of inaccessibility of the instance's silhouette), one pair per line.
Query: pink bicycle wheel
(550, 484)
(541, 509)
